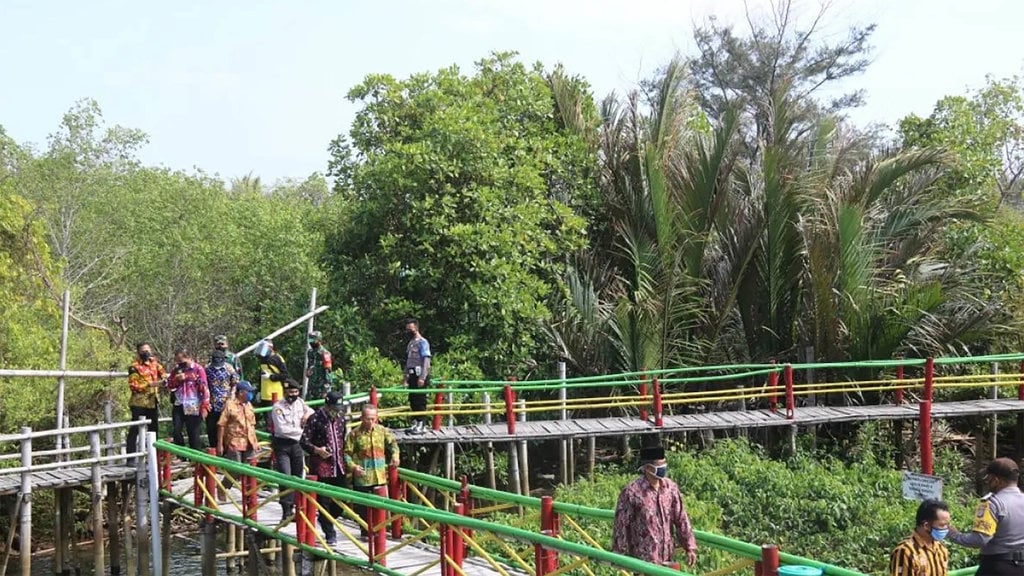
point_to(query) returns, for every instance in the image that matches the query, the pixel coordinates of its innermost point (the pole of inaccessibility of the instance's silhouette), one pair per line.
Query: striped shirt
(916, 557)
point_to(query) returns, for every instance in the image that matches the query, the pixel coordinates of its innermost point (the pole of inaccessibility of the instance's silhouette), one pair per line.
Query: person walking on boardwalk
(319, 367)
(369, 451)
(220, 342)
(923, 553)
(145, 376)
(191, 399)
(323, 439)
(289, 416)
(998, 528)
(236, 429)
(221, 379)
(417, 373)
(650, 512)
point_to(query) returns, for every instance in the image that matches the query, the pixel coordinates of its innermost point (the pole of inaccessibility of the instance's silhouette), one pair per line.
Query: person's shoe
(412, 429)
(331, 539)
(287, 510)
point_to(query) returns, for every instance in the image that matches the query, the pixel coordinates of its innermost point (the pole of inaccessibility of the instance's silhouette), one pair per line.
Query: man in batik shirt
(221, 378)
(145, 376)
(323, 438)
(650, 512)
(369, 451)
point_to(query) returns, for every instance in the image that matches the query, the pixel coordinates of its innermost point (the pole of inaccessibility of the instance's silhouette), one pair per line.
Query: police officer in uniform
(998, 528)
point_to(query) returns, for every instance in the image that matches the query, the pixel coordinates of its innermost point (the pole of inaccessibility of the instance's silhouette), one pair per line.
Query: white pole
(309, 329)
(63, 366)
(563, 415)
(154, 503)
(281, 330)
(25, 536)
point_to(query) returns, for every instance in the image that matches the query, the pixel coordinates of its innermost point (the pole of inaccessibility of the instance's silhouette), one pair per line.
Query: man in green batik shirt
(370, 450)
(318, 368)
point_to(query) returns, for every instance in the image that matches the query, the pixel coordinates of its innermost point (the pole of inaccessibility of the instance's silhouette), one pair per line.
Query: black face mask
(182, 365)
(410, 333)
(291, 399)
(145, 356)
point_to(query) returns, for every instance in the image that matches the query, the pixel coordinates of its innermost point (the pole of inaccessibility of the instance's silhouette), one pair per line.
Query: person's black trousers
(289, 460)
(1001, 565)
(151, 414)
(212, 420)
(333, 509)
(363, 511)
(190, 423)
(417, 402)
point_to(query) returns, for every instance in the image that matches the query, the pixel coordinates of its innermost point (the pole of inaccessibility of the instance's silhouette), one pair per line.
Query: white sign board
(921, 486)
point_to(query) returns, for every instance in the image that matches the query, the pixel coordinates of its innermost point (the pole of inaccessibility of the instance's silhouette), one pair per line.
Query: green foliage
(369, 368)
(846, 513)
(463, 191)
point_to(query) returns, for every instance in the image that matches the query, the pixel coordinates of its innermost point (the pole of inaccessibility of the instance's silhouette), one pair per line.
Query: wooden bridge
(93, 457)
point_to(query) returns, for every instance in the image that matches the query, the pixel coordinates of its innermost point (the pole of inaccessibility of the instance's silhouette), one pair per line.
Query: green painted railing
(394, 506)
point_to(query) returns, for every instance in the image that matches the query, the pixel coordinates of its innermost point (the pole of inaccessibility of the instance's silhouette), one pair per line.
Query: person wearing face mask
(221, 378)
(650, 518)
(191, 399)
(323, 439)
(220, 343)
(417, 373)
(923, 554)
(998, 528)
(289, 416)
(319, 366)
(145, 376)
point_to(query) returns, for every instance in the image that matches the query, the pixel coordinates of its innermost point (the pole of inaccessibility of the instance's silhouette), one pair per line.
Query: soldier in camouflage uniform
(319, 368)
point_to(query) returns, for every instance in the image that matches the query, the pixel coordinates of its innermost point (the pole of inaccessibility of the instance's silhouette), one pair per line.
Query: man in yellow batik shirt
(370, 450)
(924, 554)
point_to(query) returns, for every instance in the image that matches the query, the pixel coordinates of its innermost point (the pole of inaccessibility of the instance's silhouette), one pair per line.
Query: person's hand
(393, 465)
(204, 410)
(359, 471)
(322, 452)
(309, 372)
(180, 376)
(691, 558)
(220, 450)
(420, 382)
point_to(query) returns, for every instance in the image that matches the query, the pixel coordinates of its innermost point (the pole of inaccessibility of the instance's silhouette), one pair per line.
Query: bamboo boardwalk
(410, 558)
(725, 420)
(69, 477)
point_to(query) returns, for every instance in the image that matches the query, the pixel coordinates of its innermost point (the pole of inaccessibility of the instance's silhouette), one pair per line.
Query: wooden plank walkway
(408, 559)
(63, 478)
(803, 416)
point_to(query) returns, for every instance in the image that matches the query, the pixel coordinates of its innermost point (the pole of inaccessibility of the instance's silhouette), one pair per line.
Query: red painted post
(643, 394)
(790, 400)
(658, 420)
(165, 470)
(395, 493)
(899, 382)
(310, 502)
(198, 478)
(252, 493)
(211, 485)
(300, 509)
(438, 400)
(444, 541)
(769, 560)
(466, 499)
(510, 405)
(458, 544)
(548, 558)
(378, 533)
(925, 428)
(1020, 387)
(773, 384)
(929, 376)
(373, 396)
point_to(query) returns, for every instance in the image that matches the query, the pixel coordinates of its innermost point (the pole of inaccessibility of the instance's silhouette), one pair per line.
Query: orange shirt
(239, 424)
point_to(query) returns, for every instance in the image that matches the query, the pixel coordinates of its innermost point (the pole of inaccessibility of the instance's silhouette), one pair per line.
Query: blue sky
(235, 87)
